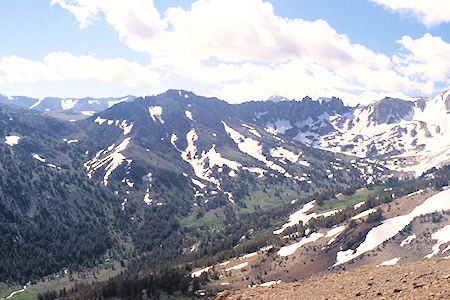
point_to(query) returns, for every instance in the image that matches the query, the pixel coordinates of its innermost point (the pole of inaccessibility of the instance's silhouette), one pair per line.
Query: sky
(236, 50)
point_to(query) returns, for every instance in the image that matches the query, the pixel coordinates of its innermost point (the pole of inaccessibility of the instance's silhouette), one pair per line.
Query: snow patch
(280, 152)
(36, 103)
(249, 255)
(358, 205)
(12, 140)
(198, 183)
(122, 125)
(188, 115)
(204, 163)
(17, 292)
(390, 227)
(230, 197)
(199, 272)
(99, 120)
(288, 250)
(327, 213)
(364, 214)
(114, 102)
(266, 284)
(126, 127)
(298, 216)
(156, 113)
(147, 199)
(408, 240)
(252, 148)
(279, 126)
(237, 267)
(256, 170)
(147, 178)
(442, 236)
(67, 104)
(36, 156)
(88, 112)
(252, 130)
(110, 158)
(335, 231)
(266, 248)
(390, 262)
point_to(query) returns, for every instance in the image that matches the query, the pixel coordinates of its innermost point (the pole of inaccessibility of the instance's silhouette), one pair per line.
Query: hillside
(398, 230)
(428, 279)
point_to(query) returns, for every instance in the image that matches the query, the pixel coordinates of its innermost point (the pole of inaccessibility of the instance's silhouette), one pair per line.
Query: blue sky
(359, 50)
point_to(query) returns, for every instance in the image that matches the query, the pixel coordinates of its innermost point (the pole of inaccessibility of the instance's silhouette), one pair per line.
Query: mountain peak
(177, 93)
(277, 98)
(443, 97)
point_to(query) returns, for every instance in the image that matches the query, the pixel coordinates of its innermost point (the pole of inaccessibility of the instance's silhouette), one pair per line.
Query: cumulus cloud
(63, 65)
(18, 69)
(229, 30)
(241, 50)
(429, 12)
(427, 58)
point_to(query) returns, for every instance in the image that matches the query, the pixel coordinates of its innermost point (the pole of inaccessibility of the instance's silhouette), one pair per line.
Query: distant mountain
(277, 98)
(214, 145)
(409, 136)
(405, 135)
(87, 106)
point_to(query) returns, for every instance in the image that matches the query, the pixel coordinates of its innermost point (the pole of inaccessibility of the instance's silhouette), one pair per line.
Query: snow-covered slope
(415, 133)
(409, 136)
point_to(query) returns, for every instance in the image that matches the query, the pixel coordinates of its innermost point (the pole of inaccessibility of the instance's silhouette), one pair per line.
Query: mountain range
(85, 106)
(180, 178)
(407, 135)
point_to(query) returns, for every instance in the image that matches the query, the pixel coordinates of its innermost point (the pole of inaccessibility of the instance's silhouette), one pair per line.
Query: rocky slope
(429, 279)
(402, 229)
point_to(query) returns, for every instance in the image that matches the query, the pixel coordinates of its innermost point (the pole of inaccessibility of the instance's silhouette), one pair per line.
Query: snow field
(390, 227)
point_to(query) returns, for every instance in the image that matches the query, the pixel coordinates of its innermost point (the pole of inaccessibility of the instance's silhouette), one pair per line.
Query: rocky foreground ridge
(426, 279)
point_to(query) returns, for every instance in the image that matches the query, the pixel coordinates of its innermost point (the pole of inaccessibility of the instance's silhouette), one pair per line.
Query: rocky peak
(391, 110)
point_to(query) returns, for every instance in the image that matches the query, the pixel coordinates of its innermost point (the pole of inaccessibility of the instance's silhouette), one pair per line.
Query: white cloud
(229, 30)
(63, 65)
(429, 12)
(427, 58)
(84, 13)
(17, 69)
(241, 50)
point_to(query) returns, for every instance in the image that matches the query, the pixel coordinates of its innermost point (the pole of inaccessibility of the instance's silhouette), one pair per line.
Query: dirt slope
(419, 280)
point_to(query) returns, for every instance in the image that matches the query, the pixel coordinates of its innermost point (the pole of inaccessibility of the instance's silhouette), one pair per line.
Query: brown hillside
(428, 279)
